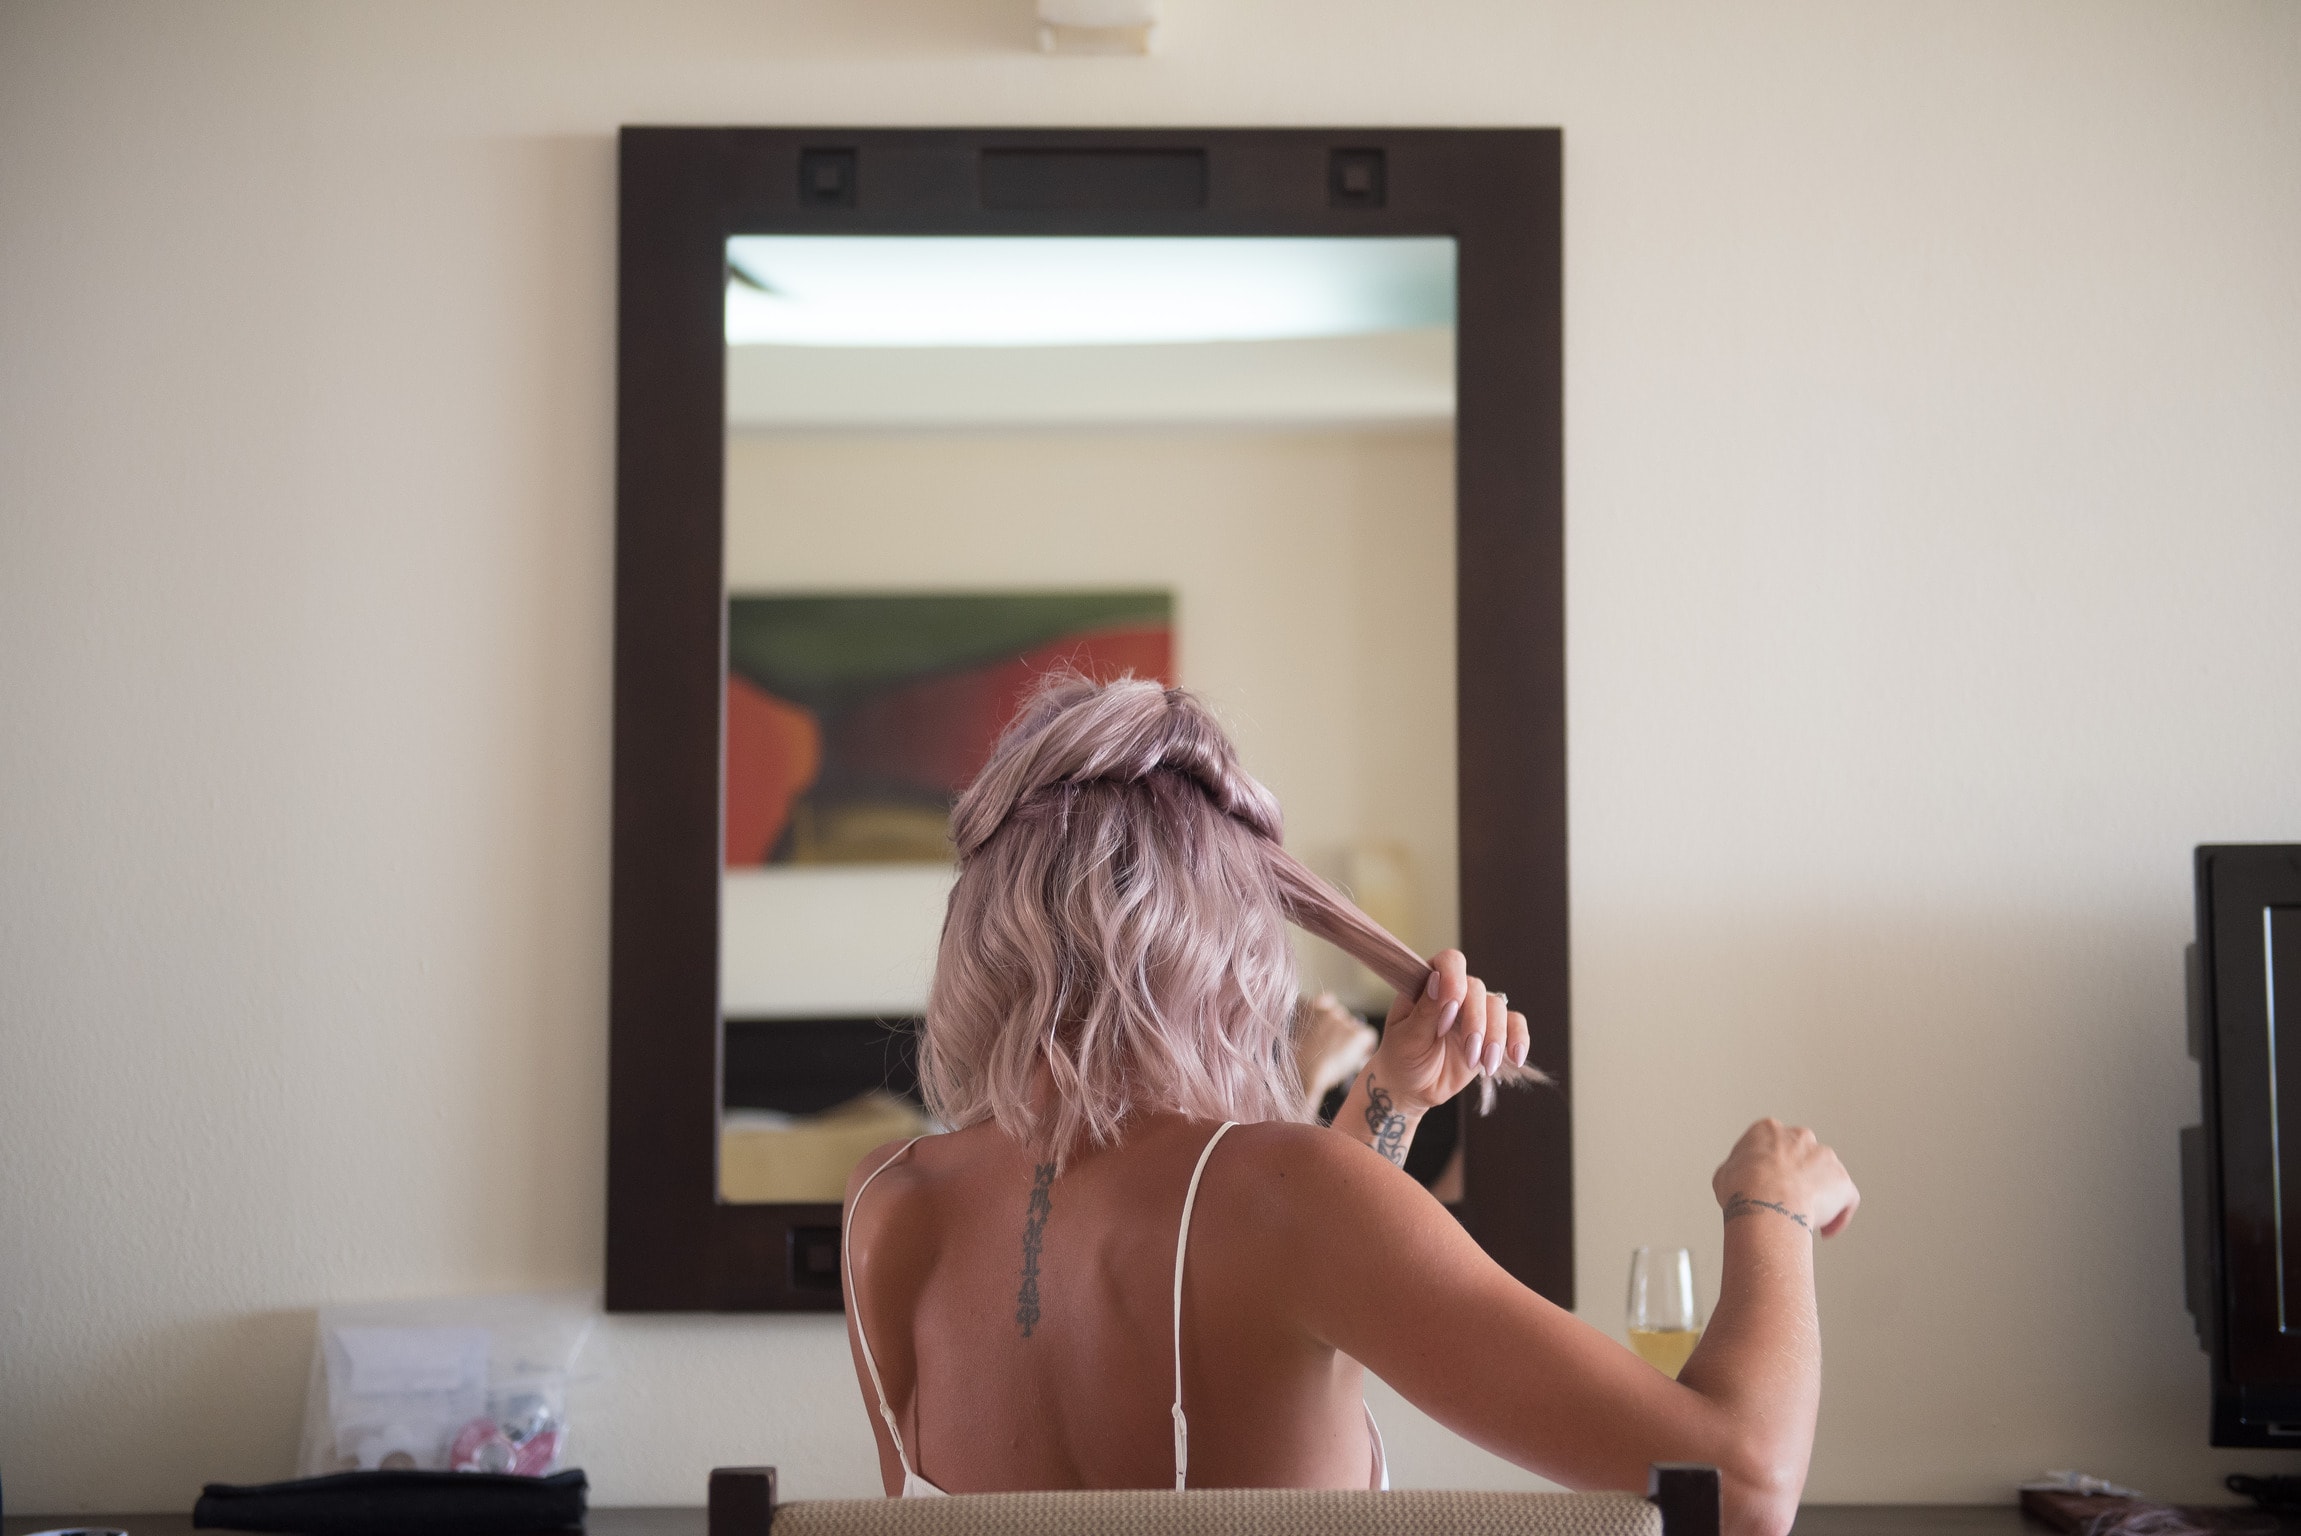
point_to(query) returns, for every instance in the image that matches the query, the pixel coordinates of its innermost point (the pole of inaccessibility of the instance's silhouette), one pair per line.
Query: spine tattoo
(1386, 1121)
(1739, 1204)
(1034, 1234)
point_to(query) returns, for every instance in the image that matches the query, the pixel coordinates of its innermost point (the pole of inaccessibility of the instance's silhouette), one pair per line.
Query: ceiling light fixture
(1076, 290)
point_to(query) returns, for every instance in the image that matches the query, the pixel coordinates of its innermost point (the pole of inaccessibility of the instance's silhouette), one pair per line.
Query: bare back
(1023, 1327)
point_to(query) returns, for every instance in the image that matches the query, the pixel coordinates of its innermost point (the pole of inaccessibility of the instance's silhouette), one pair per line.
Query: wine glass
(1664, 1327)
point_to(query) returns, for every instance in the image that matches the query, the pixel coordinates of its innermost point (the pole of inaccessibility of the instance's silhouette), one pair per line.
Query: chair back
(1684, 1502)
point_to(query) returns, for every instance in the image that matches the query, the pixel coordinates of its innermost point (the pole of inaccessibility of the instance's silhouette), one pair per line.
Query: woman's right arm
(1377, 1269)
(1434, 1045)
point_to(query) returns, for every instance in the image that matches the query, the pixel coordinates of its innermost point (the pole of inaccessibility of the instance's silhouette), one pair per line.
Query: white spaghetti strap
(1181, 1246)
(1381, 1479)
(855, 1305)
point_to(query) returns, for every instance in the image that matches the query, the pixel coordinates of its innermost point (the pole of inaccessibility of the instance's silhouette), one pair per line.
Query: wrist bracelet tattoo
(1739, 1204)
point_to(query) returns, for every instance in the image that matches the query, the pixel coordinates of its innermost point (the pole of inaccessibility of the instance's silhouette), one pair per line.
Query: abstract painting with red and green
(853, 720)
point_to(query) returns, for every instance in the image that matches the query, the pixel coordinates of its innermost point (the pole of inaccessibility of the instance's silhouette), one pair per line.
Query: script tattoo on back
(1739, 1204)
(1035, 1215)
(1386, 1121)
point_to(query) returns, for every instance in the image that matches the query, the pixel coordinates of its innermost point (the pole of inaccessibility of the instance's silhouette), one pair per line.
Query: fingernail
(1446, 1016)
(1430, 987)
(1522, 1054)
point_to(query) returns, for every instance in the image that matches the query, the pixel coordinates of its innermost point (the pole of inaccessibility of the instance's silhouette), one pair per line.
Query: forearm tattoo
(1387, 1121)
(1738, 1204)
(1034, 1234)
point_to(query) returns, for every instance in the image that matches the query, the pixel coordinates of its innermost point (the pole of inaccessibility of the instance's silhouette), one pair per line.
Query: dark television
(2241, 1169)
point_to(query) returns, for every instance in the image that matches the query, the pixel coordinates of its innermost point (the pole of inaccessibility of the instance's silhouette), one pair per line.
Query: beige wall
(1932, 484)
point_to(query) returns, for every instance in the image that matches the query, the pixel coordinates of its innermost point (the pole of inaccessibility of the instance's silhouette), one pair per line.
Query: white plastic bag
(468, 1384)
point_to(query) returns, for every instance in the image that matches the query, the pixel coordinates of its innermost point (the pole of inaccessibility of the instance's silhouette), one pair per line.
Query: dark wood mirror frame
(672, 1244)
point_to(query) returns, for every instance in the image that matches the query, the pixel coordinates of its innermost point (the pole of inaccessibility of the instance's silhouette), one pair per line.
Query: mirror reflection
(955, 463)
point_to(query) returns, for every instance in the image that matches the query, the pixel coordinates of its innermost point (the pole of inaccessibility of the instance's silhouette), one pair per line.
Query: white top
(915, 1486)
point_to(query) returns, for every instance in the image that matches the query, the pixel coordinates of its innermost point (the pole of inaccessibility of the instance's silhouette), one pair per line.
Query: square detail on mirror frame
(1355, 178)
(827, 178)
(814, 1258)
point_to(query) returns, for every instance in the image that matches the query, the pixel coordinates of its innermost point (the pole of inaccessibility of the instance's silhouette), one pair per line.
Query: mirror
(955, 463)
(904, 414)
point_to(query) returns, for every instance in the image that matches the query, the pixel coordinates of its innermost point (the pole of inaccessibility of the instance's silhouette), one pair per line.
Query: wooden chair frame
(743, 1499)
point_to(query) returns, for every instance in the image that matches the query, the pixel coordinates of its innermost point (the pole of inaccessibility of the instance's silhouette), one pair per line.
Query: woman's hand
(1783, 1171)
(1433, 1045)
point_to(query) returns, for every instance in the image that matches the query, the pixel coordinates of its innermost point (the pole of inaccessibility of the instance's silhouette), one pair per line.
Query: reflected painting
(854, 720)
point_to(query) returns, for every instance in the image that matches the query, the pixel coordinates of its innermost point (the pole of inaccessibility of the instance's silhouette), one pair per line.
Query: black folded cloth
(399, 1504)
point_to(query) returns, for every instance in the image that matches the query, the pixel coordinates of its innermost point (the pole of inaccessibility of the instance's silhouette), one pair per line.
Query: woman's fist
(1778, 1171)
(1436, 1041)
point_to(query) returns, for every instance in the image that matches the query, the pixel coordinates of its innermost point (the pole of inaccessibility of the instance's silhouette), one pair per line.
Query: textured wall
(1933, 487)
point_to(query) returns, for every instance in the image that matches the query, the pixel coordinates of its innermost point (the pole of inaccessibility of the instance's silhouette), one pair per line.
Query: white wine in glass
(1664, 1328)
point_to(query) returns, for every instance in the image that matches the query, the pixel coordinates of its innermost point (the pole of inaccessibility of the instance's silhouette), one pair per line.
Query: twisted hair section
(1119, 920)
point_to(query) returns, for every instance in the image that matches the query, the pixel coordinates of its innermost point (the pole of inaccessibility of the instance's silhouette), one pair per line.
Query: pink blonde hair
(1119, 919)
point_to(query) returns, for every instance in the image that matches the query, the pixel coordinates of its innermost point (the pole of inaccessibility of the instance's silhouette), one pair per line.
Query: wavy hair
(1119, 919)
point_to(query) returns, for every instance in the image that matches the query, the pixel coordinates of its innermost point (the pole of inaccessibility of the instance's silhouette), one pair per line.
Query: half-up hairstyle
(1120, 919)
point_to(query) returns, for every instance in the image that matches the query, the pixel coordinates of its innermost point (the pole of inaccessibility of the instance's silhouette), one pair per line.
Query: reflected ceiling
(909, 291)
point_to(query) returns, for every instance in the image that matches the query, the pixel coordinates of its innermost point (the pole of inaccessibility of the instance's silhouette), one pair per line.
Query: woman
(1130, 1264)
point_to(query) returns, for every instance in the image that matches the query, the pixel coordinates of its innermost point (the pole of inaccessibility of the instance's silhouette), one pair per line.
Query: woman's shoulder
(874, 1162)
(910, 1197)
(1293, 1143)
(1288, 1165)
(1296, 1206)
(897, 1170)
